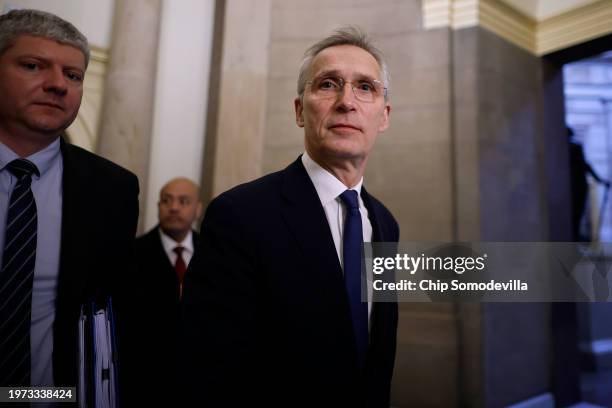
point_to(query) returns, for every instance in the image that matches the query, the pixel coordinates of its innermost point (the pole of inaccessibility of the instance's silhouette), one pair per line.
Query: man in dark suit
(161, 257)
(272, 306)
(164, 253)
(67, 217)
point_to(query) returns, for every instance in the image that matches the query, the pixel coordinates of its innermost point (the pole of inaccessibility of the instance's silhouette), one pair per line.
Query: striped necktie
(17, 277)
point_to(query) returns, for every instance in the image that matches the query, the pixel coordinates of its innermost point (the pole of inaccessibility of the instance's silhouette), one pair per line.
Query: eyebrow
(47, 60)
(336, 73)
(180, 195)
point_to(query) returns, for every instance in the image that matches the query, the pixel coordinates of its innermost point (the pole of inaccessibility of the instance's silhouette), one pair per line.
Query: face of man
(342, 127)
(179, 207)
(41, 83)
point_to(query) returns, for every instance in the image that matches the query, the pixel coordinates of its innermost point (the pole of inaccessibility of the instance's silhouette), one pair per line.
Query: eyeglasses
(365, 90)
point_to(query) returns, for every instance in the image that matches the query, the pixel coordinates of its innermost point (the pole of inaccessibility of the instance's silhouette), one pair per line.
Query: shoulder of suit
(95, 162)
(152, 233)
(147, 241)
(382, 211)
(195, 234)
(254, 190)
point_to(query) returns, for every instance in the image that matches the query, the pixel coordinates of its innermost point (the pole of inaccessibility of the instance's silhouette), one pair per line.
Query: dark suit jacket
(156, 300)
(99, 216)
(266, 316)
(155, 273)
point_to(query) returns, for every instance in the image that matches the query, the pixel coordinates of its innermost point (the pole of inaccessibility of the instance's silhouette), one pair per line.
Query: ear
(299, 112)
(384, 122)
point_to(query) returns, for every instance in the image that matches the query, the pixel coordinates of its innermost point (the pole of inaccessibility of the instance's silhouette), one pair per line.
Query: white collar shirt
(169, 244)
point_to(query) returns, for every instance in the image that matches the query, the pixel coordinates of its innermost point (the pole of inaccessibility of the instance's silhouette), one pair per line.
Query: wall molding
(572, 27)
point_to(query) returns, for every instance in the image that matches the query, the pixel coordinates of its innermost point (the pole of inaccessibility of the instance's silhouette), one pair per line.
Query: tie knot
(22, 167)
(350, 199)
(178, 250)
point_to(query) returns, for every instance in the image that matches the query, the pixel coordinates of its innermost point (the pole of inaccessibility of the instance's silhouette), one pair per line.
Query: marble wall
(127, 115)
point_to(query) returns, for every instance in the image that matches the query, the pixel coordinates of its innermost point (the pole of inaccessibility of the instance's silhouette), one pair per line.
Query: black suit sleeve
(125, 192)
(127, 233)
(220, 310)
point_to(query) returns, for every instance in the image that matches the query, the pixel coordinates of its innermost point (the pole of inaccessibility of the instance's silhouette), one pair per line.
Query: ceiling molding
(540, 10)
(575, 26)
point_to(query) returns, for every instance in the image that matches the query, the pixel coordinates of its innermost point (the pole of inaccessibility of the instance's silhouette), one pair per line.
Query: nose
(55, 81)
(346, 98)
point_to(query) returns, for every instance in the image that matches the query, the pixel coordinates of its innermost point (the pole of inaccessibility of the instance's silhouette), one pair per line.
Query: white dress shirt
(329, 189)
(169, 244)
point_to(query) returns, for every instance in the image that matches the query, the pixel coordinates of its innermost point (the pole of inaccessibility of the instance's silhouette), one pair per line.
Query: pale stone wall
(127, 115)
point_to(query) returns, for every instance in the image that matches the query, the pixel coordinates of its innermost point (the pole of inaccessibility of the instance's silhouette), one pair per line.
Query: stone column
(237, 103)
(181, 97)
(127, 112)
(500, 160)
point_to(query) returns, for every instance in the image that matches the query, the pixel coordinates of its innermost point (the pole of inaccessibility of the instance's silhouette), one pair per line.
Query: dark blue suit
(265, 311)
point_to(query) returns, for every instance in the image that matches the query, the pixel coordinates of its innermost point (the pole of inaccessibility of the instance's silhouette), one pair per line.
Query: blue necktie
(353, 240)
(17, 277)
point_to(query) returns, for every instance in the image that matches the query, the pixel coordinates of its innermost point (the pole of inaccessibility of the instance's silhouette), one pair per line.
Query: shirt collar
(43, 159)
(169, 244)
(327, 185)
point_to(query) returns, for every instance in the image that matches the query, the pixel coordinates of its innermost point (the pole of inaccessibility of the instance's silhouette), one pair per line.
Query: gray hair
(343, 36)
(38, 23)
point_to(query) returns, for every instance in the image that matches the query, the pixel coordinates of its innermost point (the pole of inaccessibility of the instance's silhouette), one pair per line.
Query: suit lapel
(383, 312)
(304, 214)
(72, 273)
(195, 237)
(377, 233)
(305, 217)
(162, 258)
(73, 266)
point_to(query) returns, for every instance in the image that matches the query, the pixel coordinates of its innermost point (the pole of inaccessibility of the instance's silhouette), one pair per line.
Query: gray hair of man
(343, 36)
(38, 23)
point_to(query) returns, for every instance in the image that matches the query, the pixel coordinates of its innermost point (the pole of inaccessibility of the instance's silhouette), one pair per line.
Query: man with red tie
(161, 259)
(179, 207)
